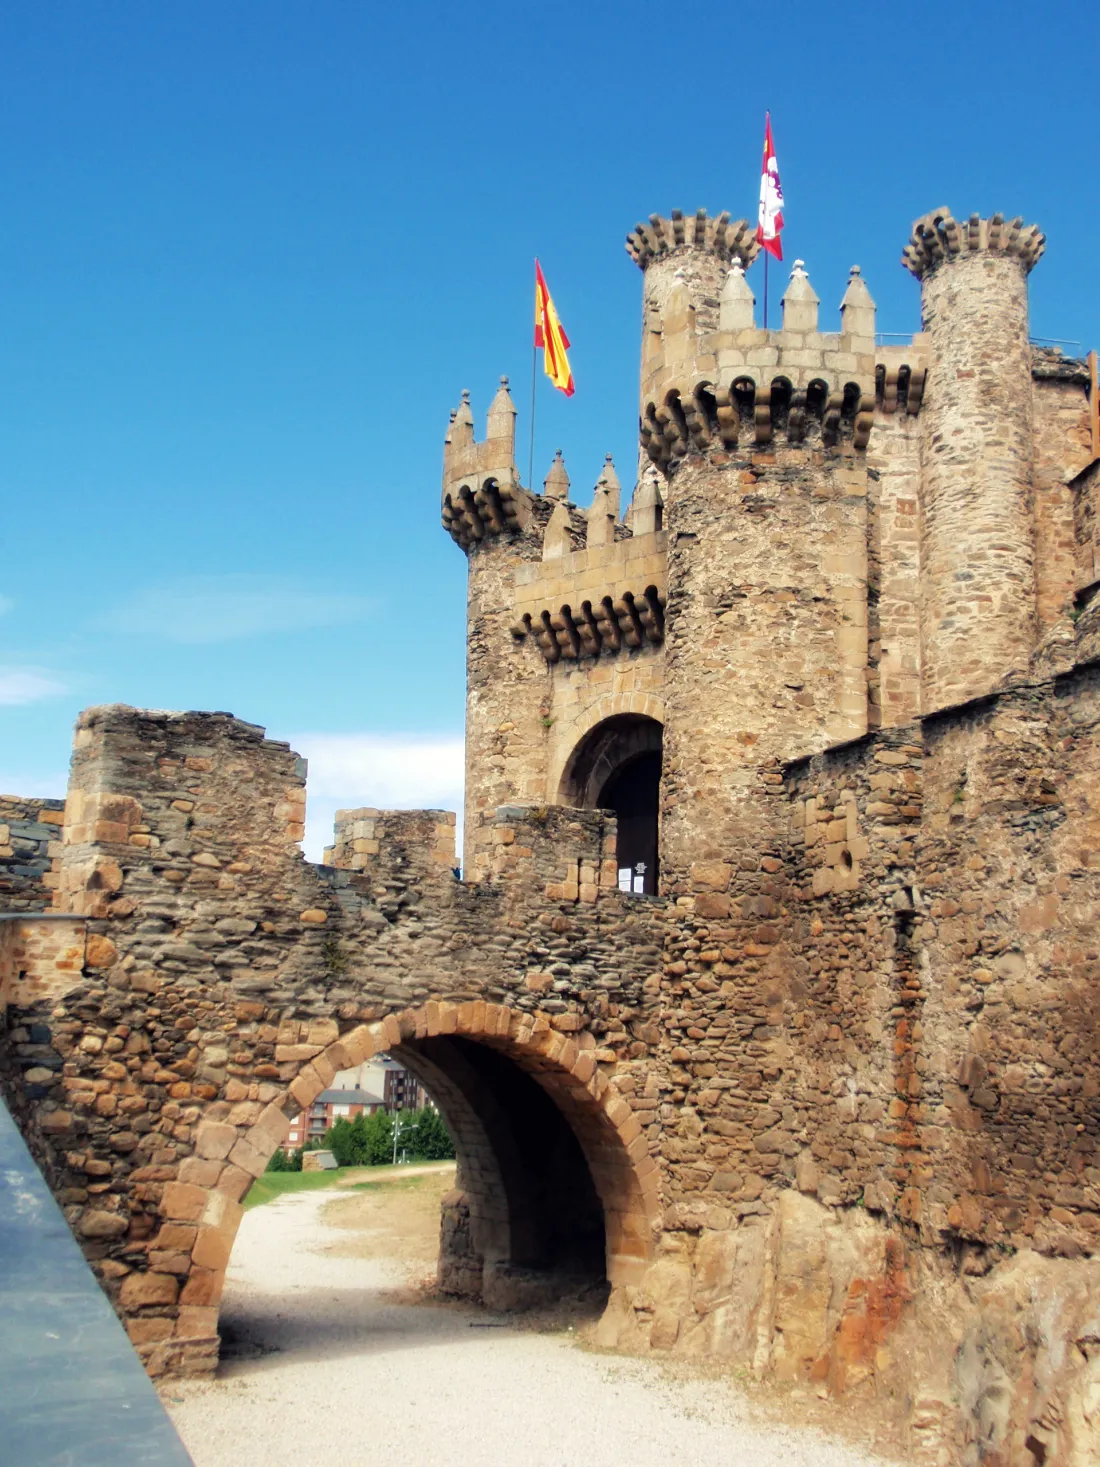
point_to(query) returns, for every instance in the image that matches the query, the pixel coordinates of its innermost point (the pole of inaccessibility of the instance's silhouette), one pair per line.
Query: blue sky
(250, 253)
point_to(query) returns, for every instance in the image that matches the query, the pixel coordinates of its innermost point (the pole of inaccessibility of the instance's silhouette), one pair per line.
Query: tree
(368, 1139)
(423, 1136)
(430, 1139)
(343, 1142)
(378, 1133)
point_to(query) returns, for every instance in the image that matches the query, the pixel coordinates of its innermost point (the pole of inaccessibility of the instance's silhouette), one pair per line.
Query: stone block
(182, 1202)
(196, 1322)
(96, 1223)
(214, 1140)
(140, 1290)
(149, 1331)
(212, 1248)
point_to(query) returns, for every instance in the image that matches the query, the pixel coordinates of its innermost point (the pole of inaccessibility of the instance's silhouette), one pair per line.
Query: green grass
(278, 1184)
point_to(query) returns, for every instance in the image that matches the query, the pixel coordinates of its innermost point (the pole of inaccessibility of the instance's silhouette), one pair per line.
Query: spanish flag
(550, 335)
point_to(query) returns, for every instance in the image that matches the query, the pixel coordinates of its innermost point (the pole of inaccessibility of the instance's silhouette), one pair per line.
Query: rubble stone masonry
(823, 1106)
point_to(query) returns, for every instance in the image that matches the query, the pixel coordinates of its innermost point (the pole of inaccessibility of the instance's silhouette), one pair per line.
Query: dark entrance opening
(634, 793)
(617, 766)
(525, 1225)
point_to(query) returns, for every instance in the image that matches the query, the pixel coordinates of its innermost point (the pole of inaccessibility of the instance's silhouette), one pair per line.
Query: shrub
(283, 1161)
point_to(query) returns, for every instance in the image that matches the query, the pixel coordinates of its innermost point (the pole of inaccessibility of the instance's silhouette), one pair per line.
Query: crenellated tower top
(938, 236)
(728, 239)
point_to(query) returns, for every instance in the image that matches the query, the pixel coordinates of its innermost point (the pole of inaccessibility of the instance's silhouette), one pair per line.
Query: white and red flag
(770, 220)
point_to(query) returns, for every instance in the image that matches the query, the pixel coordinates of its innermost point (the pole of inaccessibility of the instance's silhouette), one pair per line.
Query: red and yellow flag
(550, 335)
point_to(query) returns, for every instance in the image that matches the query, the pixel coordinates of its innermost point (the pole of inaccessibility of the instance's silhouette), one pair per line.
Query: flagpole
(766, 253)
(531, 450)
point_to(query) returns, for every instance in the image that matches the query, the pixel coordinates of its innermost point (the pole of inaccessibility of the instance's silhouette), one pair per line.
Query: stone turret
(978, 609)
(481, 489)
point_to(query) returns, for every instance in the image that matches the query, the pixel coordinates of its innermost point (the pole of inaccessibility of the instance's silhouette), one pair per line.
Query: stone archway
(616, 765)
(202, 1214)
(571, 735)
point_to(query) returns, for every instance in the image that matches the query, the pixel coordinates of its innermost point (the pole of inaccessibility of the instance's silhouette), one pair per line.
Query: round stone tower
(758, 436)
(977, 576)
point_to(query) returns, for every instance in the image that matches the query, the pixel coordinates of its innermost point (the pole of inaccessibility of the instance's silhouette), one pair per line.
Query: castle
(767, 999)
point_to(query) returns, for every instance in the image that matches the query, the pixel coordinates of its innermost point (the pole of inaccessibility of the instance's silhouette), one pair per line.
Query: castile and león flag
(769, 223)
(770, 219)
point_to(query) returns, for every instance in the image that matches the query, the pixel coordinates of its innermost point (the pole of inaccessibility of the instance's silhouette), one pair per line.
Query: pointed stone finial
(800, 303)
(647, 507)
(735, 305)
(556, 538)
(857, 309)
(501, 421)
(604, 512)
(556, 483)
(462, 422)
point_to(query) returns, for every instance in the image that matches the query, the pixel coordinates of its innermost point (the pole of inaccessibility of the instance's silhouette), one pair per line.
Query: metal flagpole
(766, 254)
(531, 453)
(534, 370)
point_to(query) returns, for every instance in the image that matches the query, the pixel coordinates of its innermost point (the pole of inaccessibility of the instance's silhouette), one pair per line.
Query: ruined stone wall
(855, 814)
(814, 1060)
(219, 965)
(28, 830)
(1008, 866)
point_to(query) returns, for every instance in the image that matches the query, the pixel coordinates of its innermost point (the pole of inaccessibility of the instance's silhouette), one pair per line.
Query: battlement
(569, 854)
(727, 239)
(900, 376)
(739, 384)
(938, 237)
(599, 587)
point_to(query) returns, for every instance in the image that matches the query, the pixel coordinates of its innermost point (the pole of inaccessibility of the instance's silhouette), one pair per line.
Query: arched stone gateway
(505, 1240)
(616, 766)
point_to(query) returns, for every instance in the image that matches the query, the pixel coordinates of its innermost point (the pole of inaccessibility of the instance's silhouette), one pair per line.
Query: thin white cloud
(27, 685)
(6, 604)
(385, 771)
(201, 610)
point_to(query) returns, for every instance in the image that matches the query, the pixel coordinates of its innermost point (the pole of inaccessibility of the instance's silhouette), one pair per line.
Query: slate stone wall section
(28, 829)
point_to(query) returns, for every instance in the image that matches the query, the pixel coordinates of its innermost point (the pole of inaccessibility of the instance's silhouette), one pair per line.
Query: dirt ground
(396, 1218)
(336, 1351)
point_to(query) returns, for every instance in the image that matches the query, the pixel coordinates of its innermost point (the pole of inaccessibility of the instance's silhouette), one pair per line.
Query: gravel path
(328, 1369)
